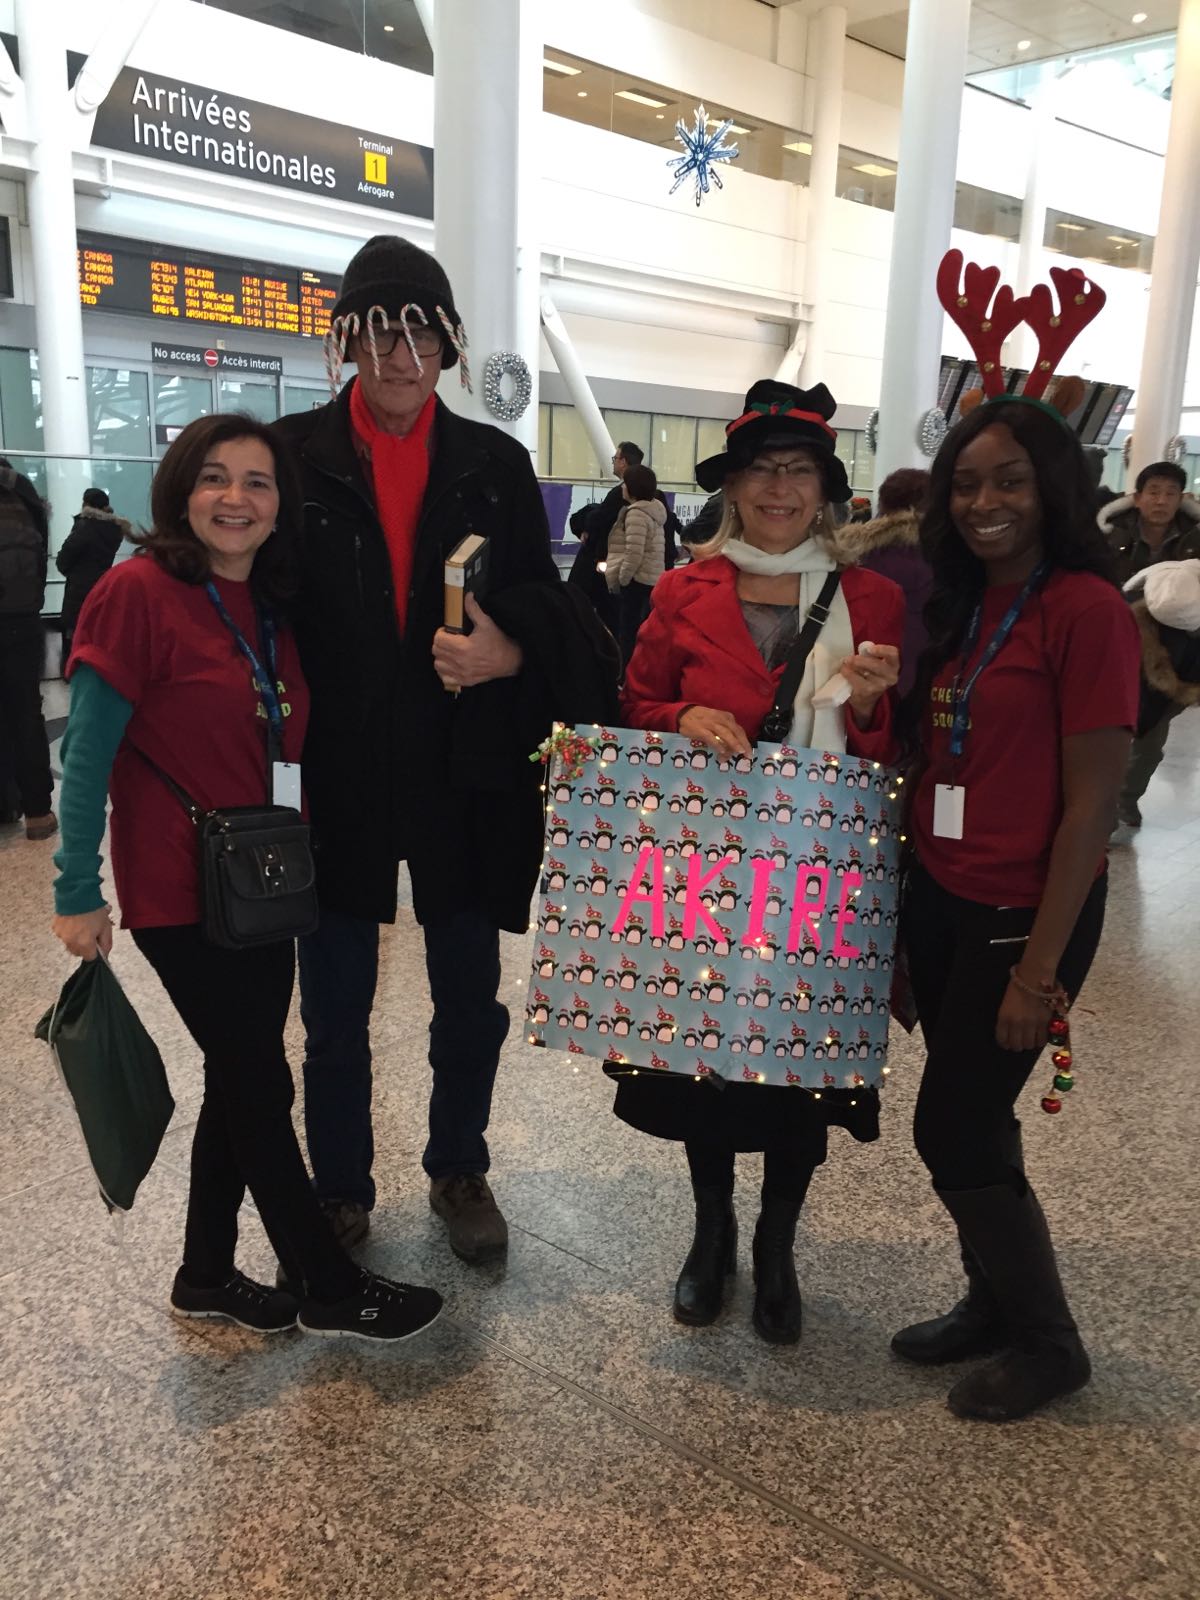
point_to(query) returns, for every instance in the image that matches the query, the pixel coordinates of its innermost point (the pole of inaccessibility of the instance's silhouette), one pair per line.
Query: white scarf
(820, 730)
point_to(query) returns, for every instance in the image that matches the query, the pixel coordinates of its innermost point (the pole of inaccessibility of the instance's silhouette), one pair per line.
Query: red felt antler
(1080, 301)
(967, 298)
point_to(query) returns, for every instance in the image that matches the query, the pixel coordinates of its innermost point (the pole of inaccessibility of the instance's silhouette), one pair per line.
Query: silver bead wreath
(932, 431)
(1176, 449)
(507, 364)
(872, 432)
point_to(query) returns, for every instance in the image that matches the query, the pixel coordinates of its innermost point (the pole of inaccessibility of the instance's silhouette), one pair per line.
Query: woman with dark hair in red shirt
(708, 663)
(182, 660)
(1022, 714)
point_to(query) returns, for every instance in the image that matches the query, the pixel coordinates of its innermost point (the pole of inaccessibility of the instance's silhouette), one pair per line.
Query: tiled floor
(557, 1435)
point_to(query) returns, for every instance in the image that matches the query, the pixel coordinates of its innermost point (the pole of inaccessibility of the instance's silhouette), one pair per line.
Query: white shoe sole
(224, 1316)
(368, 1338)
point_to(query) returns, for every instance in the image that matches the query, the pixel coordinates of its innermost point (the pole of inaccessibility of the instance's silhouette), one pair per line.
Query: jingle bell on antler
(987, 315)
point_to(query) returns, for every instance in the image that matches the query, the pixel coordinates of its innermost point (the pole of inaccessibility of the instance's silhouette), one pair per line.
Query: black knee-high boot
(778, 1309)
(975, 1326)
(700, 1289)
(1007, 1233)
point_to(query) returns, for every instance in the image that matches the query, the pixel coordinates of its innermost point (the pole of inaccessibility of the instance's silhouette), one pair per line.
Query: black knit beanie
(392, 272)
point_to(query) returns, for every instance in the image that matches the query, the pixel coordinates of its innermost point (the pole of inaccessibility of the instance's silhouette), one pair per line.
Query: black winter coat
(395, 767)
(87, 553)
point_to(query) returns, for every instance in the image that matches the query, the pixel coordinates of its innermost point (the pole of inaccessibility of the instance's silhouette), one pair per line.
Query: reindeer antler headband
(986, 321)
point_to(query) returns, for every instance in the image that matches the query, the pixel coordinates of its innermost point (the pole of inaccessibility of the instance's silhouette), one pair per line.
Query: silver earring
(820, 517)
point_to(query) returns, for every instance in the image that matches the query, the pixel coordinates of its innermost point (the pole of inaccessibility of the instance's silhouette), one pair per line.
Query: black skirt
(740, 1116)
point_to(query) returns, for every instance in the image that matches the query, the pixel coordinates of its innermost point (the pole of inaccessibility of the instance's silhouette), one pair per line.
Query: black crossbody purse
(258, 881)
(777, 724)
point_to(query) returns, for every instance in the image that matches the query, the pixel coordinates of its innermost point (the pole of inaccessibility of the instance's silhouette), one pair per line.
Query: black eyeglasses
(425, 341)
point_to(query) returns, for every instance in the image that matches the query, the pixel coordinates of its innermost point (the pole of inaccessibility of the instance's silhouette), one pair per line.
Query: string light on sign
(498, 366)
(703, 153)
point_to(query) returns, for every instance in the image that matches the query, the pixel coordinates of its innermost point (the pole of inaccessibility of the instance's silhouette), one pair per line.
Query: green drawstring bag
(115, 1076)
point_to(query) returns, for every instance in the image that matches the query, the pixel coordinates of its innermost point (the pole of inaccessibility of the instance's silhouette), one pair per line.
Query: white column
(828, 35)
(1159, 397)
(487, 116)
(50, 189)
(1024, 343)
(934, 68)
(566, 358)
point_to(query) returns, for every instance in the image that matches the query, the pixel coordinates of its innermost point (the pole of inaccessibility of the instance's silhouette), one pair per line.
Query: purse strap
(196, 812)
(781, 713)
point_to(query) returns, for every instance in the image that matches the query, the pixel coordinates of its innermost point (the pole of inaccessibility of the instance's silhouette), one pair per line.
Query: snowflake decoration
(704, 151)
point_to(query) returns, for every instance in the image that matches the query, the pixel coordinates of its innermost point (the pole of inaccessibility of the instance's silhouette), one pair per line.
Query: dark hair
(1071, 540)
(641, 483)
(1161, 469)
(97, 499)
(904, 490)
(633, 453)
(171, 541)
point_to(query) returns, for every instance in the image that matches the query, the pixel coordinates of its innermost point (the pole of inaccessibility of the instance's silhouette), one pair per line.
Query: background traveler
(635, 554)
(25, 776)
(890, 545)
(87, 553)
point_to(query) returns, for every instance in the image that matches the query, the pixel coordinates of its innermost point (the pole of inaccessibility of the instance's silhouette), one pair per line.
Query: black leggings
(959, 957)
(787, 1169)
(234, 1003)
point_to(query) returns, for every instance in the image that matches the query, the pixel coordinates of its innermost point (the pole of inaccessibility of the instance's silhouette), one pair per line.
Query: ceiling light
(733, 128)
(802, 147)
(640, 99)
(1119, 238)
(658, 116)
(560, 66)
(874, 170)
(582, 94)
(388, 28)
(1024, 44)
(1073, 227)
(1138, 16)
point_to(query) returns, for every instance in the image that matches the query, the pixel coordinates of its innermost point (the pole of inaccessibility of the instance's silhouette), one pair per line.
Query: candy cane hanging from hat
(342, 329)
(987, 316)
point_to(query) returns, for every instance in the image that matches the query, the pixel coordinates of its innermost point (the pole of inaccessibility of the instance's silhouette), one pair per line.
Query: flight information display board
(127, 276)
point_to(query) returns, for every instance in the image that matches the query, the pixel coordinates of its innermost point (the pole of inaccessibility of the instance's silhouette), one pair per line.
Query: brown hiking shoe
(350, 1221)
(465, 1203)
(41, 827)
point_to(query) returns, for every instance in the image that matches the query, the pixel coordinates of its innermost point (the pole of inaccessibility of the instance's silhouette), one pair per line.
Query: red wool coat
(695, 649)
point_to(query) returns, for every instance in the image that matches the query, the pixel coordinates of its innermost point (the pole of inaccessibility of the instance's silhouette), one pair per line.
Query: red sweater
(695, 649)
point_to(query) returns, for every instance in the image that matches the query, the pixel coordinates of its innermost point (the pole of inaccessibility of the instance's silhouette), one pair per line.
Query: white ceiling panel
(1052, 29)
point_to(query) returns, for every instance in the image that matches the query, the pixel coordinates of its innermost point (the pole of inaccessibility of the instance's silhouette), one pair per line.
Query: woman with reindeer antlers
(1020, 719)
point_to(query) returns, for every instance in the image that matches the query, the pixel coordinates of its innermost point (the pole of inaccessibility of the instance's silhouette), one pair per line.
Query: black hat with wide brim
(393, 273)
(778, 416)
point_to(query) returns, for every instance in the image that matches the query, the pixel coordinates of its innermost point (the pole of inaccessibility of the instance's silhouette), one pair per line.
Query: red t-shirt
(1071, 665)
(161, 644)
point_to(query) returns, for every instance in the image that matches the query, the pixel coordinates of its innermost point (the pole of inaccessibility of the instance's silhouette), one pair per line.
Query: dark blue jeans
(338, 969)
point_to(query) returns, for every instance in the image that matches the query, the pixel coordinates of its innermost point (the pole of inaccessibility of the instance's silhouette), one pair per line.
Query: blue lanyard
(265, 678)
(962, 692)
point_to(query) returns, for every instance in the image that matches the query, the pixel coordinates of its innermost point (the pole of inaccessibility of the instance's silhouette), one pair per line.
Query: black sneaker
(249, 1304)
(380, 1310)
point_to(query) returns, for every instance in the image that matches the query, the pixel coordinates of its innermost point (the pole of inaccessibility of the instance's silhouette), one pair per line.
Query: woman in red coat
(708, 664)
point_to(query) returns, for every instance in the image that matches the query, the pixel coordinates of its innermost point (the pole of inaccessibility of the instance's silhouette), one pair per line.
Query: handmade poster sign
(716, 916)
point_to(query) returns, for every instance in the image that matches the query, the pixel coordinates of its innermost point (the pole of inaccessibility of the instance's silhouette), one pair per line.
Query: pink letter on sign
(655, 899)
(806, 912)
(846, 914)
(697, 881)
(762, 870)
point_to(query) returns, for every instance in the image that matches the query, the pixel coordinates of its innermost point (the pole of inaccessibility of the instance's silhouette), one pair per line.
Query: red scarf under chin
(400, 473)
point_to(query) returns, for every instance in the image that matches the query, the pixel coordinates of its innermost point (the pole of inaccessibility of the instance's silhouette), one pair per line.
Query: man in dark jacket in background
(24, 751)
(1157, 523)
(592, 525)
(87, 553)
(419, 740)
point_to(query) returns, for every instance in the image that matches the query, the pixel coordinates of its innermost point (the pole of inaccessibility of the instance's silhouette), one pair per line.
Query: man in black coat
(593, 523)
(419, 739)
(26, 782)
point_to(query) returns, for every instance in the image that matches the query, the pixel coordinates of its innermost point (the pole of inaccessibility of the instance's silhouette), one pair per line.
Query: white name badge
(949, 805)
(285, 784)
